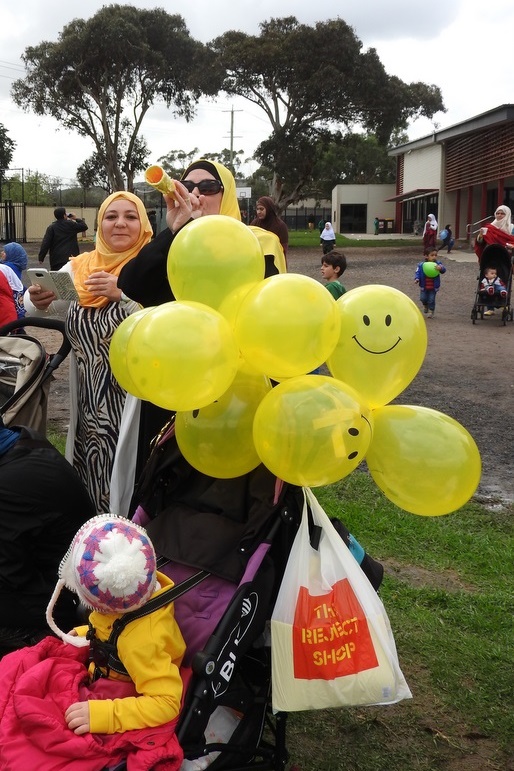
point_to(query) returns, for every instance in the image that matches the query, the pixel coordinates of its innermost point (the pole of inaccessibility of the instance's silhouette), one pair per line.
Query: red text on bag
(331, 637)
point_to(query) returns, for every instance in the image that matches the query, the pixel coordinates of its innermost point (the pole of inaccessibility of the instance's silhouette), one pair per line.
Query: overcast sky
(463, 46)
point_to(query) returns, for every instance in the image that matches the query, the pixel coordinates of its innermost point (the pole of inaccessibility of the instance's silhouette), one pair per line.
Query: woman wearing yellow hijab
(96, 398)
(205, 188)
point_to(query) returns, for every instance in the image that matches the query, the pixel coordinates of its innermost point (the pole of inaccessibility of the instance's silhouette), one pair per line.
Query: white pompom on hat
(110, 565)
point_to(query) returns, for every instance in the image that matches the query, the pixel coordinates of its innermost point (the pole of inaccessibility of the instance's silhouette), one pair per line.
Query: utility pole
(232, 133)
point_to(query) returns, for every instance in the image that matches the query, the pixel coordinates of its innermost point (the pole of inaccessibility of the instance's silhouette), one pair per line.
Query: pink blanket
(38, 684)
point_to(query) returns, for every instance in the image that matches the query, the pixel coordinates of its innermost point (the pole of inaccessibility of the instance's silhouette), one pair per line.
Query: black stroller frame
(498, 257)
(240, 532)
(233, 668)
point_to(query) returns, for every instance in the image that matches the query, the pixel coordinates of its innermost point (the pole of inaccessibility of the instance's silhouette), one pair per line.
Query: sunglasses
(205, 186)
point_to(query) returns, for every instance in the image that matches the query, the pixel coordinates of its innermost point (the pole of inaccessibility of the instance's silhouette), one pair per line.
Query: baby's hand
(77, 717)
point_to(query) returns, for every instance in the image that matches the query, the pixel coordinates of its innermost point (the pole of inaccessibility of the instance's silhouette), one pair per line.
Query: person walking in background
(333, 265)
(60, 240)
(327, 238)
(430, 232)
(268, 219)
(15, 257)
(428, 277)
(447, 238)
(376, 225)
(96, 398)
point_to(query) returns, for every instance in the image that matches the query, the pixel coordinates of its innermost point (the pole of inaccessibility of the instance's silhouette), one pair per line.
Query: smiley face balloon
(382, 343)
(312, 430)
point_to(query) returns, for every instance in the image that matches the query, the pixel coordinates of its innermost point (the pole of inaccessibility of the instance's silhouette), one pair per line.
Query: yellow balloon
(382, 343)
(118, 351)
(287, 325)
(210, 257)
(423, 461)
(182, 355)
(312, 430)
(217, 439)
(229, 306)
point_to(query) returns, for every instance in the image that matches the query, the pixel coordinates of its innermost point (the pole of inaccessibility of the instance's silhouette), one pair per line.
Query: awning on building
(420, 192)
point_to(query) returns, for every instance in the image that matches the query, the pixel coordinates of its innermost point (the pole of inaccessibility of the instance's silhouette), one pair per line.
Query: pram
(232, 538)
(497, 257)
(26, 372)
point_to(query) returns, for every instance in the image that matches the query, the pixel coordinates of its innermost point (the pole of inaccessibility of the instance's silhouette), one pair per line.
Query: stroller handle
(51, 323)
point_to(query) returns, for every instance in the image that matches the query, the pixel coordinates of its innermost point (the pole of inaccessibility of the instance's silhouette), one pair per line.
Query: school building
(460, 174)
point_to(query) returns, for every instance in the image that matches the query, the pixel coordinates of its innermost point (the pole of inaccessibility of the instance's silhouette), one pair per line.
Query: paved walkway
(462, 253)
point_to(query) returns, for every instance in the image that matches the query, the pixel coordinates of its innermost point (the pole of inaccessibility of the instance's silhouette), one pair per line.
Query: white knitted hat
(110, 565)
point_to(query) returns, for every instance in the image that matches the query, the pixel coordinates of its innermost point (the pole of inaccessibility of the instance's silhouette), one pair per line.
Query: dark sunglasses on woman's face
(205, 186)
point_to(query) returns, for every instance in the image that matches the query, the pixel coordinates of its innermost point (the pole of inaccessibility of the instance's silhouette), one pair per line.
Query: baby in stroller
(114, 689)
(494, 283)
(492, 288)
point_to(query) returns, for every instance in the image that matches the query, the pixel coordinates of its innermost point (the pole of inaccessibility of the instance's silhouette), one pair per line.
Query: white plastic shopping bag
(331, 640)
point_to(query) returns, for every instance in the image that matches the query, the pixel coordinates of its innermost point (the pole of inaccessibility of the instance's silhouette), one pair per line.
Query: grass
(449, 596)
(56, 437)
(310, 238)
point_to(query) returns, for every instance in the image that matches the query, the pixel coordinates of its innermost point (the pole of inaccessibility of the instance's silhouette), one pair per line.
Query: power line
(11, 65)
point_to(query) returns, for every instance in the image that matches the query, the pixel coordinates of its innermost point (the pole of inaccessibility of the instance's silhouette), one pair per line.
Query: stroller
(225, 544)
(497, 257)
(26, 371)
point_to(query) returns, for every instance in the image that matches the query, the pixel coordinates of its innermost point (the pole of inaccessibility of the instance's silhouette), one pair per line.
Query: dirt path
(467, 372)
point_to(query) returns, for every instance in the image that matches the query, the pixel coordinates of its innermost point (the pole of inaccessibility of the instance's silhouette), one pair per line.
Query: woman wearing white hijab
(503, 219)
(430, 232)
(500, 231)
(328, 238)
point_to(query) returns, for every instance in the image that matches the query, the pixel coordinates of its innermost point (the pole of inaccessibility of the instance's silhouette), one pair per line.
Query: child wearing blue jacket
(428, 276)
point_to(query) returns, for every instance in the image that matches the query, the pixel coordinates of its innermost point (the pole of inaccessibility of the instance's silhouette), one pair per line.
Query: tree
(103, 75)
(312, 82)
(352, 159)
(93, 172)
(177, 161)
(7, 146)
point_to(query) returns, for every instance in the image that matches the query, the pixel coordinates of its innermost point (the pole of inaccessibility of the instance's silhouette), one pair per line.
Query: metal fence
(306, 218)
(21, 222)
(13, 221)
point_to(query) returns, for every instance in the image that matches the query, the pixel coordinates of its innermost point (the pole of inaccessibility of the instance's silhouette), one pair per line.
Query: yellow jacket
(151, 650)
